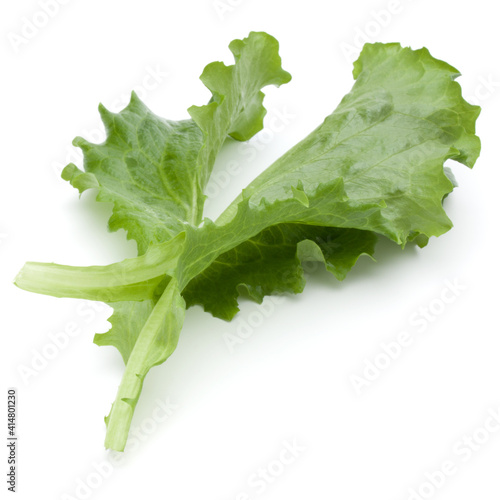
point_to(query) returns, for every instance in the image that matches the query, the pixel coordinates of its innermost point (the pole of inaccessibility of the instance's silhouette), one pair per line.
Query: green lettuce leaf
(386, 143)
(271, 263)
(154, 170)
(156, 341)
(375, 166)
(127, 321)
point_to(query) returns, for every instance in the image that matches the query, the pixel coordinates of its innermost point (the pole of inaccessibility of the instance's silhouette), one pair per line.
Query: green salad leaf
(374, 168)
(271, 262)
(153, 170)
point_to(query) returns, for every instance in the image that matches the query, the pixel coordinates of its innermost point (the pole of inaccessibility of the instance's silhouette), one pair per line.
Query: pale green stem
(156, 342)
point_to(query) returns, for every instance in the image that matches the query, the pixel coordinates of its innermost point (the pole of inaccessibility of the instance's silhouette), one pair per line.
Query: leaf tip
(300, 195)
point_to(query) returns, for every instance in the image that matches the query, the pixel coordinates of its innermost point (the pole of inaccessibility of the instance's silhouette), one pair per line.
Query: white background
(290, 380)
